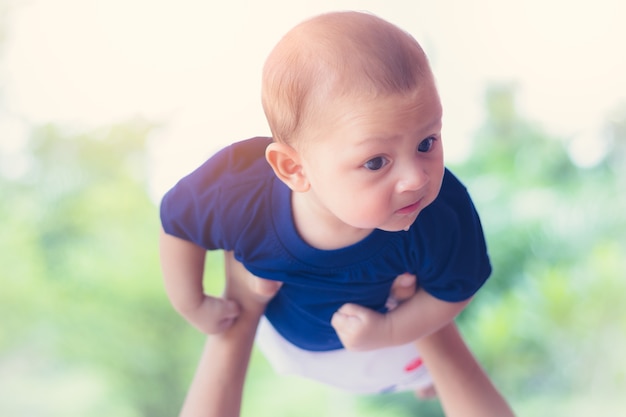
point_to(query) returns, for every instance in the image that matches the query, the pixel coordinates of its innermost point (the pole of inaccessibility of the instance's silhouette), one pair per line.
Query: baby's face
(376, 163)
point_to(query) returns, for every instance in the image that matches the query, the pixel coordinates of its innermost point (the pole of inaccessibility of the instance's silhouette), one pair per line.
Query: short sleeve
(191, 209)
(212, 206)
(450, 244)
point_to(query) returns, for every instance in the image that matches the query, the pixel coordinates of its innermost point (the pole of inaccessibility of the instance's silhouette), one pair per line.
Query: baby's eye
(375, 164)
(426, 144)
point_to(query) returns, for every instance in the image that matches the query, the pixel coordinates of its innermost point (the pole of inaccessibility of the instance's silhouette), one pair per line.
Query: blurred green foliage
(87, 329)
(550, 326)
(81, 276)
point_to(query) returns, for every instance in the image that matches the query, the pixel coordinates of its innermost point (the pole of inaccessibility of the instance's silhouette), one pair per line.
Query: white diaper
(393, 369)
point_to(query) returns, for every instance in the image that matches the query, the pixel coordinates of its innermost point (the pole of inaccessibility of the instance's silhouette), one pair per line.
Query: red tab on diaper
(413, 365)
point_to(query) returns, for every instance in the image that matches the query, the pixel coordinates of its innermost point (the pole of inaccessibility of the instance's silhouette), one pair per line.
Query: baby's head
(331, 57)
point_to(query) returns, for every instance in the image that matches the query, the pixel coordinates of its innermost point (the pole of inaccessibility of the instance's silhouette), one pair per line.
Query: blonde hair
(331, 56)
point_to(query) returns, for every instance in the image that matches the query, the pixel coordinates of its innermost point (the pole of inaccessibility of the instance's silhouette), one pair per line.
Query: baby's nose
(412, 178)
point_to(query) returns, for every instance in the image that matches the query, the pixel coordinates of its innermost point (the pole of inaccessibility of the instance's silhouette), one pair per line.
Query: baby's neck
(319, 228)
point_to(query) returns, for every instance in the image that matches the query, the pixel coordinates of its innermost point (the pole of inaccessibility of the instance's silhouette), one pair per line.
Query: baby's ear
(286, 163)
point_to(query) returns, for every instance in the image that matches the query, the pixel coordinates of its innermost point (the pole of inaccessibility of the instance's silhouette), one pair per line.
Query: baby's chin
(400, 227)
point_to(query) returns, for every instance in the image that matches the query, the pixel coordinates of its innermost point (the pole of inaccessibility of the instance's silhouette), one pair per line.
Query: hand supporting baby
(359, 328)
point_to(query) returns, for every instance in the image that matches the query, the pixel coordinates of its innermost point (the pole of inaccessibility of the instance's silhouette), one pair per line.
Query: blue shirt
(235, 202)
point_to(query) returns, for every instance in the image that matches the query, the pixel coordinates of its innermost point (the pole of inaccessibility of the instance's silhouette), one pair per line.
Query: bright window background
(194, 66)
(535, 123)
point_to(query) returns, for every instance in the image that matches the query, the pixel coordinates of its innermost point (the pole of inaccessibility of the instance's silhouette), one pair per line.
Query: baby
(349, 193)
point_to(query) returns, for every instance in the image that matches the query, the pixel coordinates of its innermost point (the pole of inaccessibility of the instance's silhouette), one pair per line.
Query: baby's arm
(182, 263)
(217, 387)
(361, 328)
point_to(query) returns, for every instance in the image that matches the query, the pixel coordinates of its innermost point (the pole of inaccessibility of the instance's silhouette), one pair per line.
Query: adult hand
(250, 292)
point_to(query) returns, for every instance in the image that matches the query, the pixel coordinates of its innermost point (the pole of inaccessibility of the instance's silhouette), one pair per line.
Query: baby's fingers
(349, 318)
(227, 309)
(222, 314)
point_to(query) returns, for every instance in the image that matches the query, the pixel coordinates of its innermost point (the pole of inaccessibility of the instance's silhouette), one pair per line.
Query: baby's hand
(213, 315)
(360, 328)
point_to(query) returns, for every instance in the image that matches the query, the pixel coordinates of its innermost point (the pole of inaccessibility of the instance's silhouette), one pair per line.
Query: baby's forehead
(336, 55)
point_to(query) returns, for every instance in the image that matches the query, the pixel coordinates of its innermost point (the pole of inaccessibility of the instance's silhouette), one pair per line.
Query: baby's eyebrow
(369, 140)
(435, 124)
